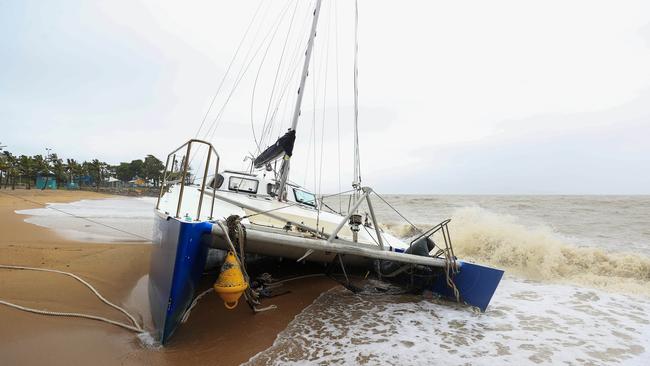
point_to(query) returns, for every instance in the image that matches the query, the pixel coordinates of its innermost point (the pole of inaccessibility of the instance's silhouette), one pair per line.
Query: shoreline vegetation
(138, 177)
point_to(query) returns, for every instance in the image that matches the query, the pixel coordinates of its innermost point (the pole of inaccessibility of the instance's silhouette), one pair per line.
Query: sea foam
(527, 323)
(538, 252)
(119, 219)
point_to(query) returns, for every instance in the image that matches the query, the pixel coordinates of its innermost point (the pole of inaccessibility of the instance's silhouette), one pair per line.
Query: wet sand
(212, 335)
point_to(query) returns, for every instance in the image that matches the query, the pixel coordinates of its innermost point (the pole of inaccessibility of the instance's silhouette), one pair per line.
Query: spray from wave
(538, 253)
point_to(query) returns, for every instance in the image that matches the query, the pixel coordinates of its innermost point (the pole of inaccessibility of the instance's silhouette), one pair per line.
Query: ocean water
(576, 289)
(527, 323)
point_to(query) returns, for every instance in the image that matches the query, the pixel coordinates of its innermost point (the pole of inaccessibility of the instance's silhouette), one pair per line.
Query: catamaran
(261, 211)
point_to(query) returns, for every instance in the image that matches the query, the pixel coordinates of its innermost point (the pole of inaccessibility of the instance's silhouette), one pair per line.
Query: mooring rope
(136, 327)
(186, 314)
(252, 297)
(234, 223)
(450, 258)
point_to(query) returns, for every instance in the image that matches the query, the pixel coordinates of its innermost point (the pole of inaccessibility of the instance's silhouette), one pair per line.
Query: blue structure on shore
(72, 185)
(47, 181)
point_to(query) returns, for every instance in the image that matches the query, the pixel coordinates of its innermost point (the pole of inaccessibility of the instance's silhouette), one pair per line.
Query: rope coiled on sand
(136, 327)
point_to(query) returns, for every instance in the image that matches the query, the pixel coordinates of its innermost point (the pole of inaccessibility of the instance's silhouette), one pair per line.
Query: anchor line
(234, 226)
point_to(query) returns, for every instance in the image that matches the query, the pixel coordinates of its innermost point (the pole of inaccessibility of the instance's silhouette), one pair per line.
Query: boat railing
(429, 232)
(185, 162)
(448, 250)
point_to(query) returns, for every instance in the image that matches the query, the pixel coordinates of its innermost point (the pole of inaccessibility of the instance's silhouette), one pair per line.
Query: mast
(284, 170)
(356, 183)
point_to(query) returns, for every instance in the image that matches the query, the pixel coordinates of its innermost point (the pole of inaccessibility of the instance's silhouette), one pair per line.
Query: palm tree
(11, 169)
(4, 167)
(97, 170)
(42, 166)
(73, 169)
(58, 168)
(26, 169)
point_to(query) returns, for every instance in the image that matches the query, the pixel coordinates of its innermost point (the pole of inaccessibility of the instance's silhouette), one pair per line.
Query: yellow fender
(231, 283)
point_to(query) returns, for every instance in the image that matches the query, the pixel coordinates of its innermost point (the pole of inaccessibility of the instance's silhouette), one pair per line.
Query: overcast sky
(508, 97)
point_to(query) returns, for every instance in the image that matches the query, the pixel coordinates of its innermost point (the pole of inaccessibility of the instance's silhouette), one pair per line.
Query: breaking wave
(538, 253)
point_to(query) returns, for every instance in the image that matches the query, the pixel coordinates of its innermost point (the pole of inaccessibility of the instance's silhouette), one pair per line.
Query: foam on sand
(527, 323)
(120, 219)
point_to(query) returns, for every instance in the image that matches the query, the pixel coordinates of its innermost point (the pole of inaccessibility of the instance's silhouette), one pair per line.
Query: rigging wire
(357, 159)
(207, 135)
(322, 135)
(217, 120)
(314, 99)
(225, 75)
(277, 74)
(399, 213)
(338, 113)
(246, 62)
(270, 120)
(290, 76)
(312, 131)
(259, 69)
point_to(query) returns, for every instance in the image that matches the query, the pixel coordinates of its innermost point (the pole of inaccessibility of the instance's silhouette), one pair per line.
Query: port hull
(177, 261)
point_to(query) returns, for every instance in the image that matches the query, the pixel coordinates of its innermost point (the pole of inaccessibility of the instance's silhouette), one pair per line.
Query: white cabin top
(259, 185)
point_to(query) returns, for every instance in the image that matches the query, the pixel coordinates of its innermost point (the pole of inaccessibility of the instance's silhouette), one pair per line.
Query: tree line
(27, 168)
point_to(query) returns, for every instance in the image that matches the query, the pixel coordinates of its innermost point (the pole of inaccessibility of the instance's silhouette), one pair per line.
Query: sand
(211, 336)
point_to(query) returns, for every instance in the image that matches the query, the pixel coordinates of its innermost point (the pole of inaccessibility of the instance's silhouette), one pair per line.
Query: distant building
(45, 180)
(137, 182)
(72, 185)
(113, 182)
(85, 180)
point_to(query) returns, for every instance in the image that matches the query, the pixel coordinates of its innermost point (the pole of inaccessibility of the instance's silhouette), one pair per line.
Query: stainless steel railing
(183, 181)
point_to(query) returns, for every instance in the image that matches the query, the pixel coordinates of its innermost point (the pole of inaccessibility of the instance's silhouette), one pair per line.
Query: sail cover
(284, 145)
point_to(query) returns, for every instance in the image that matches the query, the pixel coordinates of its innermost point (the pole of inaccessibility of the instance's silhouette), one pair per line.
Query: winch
(355, 221)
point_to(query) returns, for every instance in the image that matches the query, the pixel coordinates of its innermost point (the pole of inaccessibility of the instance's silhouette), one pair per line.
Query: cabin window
(305, 197)
(240, 184)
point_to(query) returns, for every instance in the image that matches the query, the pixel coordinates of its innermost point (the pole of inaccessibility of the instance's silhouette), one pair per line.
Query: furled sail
(283, 146)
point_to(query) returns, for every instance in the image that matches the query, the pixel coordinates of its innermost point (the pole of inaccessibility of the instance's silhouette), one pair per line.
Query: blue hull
(177, 261)
(179, 255)
(475, 283)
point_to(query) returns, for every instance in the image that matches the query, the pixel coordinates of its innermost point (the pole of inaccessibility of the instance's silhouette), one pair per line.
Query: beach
(117, 270)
